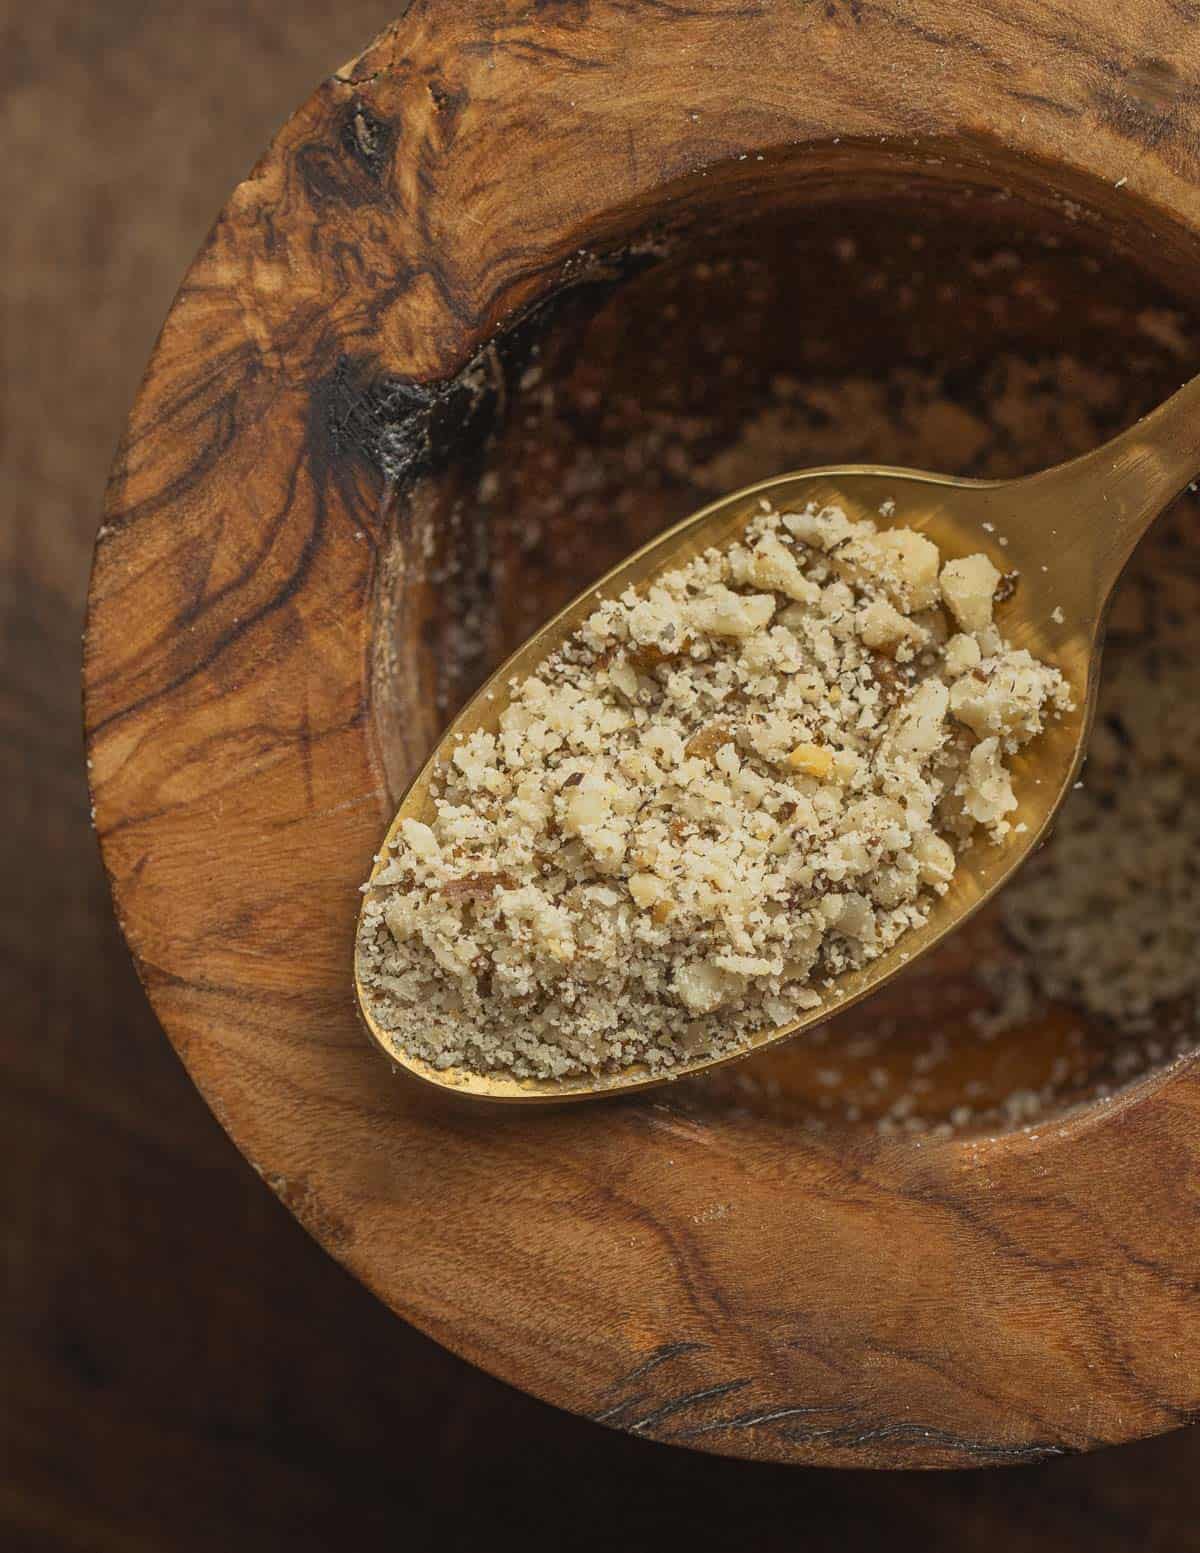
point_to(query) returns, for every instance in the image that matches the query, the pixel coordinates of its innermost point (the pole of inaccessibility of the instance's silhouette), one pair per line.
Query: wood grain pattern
(297, 576)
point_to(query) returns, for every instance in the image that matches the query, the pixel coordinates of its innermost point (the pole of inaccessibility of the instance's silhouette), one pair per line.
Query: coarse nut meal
(723, 791)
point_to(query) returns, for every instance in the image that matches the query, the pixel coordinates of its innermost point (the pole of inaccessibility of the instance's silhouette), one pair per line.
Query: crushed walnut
(721, 793)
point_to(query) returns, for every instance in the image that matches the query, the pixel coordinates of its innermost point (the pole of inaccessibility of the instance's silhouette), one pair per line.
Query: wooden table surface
(181, 1368)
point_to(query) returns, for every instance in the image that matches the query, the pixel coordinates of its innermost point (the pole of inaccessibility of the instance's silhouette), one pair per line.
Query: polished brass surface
(1068, 531)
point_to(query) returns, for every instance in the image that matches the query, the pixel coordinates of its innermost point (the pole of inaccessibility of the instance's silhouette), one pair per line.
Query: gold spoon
(1068, 531)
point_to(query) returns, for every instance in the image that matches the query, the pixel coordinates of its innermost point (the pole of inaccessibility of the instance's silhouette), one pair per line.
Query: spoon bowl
(1066, 533)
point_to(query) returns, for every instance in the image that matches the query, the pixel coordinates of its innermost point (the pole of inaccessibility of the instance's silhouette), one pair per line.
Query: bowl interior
(761, 325)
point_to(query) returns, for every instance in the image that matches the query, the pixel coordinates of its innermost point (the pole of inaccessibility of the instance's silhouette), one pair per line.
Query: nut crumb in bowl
(721, 793)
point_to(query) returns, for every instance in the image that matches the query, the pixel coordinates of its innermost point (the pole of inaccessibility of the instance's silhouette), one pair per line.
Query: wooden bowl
(503, 298)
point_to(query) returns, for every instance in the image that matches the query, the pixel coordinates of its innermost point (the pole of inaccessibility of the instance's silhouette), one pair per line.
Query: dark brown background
(181, 1367)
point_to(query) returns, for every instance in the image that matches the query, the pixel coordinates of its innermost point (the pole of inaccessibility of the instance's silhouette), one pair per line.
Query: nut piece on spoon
(1068, 533)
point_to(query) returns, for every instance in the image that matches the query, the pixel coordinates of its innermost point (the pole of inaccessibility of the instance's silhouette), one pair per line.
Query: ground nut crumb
(721, 793)
(968, 589)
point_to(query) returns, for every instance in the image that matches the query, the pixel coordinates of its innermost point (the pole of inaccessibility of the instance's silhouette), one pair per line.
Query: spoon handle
(1090, 513)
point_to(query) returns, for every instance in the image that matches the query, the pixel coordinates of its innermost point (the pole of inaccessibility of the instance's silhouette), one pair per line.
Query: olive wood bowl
(497, 305)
